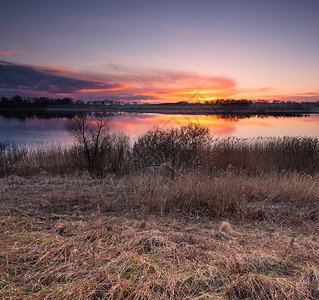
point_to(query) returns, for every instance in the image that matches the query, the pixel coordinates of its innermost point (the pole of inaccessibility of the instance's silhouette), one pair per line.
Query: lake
(52, 130)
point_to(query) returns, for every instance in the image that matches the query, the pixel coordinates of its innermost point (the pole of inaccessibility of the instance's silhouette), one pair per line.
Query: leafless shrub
(178, 148)
(92, 140)
(96, 149)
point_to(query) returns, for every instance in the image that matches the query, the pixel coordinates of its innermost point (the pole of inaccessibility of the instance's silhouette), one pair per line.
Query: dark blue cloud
(20, 77)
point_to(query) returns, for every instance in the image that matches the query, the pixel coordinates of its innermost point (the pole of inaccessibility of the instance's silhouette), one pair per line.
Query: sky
(160, 51)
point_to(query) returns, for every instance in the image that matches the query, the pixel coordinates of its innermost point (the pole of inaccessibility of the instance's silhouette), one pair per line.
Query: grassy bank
(178, 214)
(149, 236)
(172, 151)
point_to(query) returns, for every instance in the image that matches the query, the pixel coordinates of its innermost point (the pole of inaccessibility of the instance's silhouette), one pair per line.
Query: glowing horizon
(160, 52)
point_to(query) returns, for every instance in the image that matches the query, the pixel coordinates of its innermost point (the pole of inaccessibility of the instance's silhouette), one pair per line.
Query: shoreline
(168, 111)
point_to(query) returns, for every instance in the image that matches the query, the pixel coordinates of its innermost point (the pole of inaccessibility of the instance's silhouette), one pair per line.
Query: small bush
(177, 148)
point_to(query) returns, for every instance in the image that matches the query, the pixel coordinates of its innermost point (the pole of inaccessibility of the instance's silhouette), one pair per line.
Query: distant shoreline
(203, 109)
(173, 109)
(221, 107)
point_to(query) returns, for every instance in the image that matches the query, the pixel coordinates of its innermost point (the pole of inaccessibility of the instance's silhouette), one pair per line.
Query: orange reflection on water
(54, 130)
(242, 127)
(137, 124)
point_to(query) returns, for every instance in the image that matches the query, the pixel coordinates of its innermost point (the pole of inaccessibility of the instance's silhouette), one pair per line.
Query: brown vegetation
(177, 149)
(184, 148)
(201, 218)
(152, 237)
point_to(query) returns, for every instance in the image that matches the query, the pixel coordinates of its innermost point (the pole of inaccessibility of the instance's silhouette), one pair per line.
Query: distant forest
(36, 102)
(18, 102)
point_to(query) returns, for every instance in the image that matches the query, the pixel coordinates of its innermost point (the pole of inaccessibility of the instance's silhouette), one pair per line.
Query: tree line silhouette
(35, 102)
(18, 102)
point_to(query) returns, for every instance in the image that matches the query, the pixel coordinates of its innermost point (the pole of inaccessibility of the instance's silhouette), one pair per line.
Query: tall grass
(274, 196)
(171, 151)
(10, 156)
(264, 154)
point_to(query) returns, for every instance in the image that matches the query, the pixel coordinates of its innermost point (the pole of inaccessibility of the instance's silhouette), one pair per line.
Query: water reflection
(25, 115)
(55, 114)
(33, 127)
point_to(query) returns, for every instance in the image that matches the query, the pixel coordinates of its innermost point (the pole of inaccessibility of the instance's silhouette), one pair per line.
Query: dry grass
(267, 154)
(186, 148)
(146, 236)
(284, 196)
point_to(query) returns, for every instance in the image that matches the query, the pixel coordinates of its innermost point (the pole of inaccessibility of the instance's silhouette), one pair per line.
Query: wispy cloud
(10, 52)
(311, 96)
(307, 94)
(168, 81)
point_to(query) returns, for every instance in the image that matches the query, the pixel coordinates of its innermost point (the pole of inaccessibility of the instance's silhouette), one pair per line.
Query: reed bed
(169, 151)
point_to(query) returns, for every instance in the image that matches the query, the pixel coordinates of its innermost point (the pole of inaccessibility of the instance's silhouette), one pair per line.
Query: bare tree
(93, 139)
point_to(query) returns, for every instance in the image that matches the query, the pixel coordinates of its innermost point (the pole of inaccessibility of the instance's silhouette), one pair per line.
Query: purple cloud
(21, 77)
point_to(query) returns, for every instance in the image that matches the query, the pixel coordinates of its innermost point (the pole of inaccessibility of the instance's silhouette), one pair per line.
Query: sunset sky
(158, 51)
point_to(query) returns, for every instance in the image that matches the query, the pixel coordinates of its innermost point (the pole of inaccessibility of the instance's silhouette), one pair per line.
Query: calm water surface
(52, 130)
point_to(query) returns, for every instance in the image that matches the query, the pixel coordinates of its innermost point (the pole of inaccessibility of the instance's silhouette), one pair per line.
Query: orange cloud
(171, 81)
(170, 85)
(57, 69)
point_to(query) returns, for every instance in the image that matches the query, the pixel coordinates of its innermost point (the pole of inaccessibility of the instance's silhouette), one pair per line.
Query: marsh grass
(119, 238)
(266, 154)
(168, 150)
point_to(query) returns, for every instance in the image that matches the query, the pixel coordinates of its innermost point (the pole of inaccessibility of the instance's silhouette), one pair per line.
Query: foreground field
(146, 236)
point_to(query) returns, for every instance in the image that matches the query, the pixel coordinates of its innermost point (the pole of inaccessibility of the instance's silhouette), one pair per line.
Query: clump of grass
(255, 286)
(286, 197)
(10, 156)
(226, 227)
(267, 154)
(186, 192)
